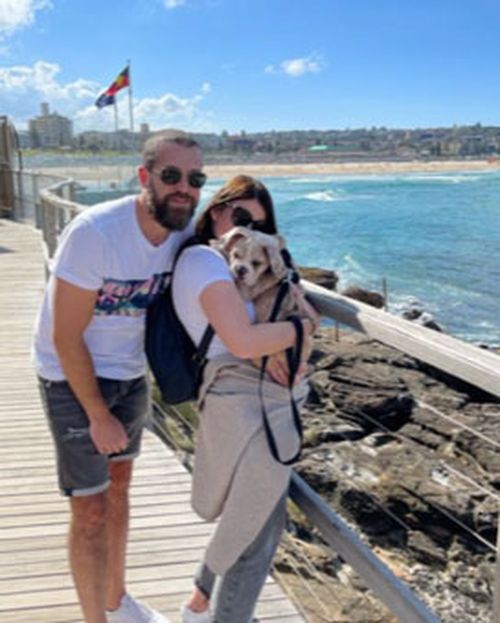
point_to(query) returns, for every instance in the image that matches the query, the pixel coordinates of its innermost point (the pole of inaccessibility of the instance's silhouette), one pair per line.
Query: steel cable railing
(461, 425)
(448, 515)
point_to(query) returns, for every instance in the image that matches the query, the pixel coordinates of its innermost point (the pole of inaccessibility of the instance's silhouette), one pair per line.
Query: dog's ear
(225, 243)
(276, 262)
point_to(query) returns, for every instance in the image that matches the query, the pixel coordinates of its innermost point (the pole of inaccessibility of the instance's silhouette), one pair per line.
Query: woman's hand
(278, 370)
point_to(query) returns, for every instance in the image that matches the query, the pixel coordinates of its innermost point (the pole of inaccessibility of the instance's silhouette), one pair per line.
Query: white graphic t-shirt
(104, 249)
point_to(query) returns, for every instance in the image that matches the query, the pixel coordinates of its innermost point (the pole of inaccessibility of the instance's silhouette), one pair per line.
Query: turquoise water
(435, 238)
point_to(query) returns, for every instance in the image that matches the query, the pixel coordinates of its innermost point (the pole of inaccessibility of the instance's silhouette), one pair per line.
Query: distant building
(50, 129)
(121, 140)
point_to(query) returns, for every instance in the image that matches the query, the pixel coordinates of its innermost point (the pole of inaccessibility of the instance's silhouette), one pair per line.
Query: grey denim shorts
(82, 470)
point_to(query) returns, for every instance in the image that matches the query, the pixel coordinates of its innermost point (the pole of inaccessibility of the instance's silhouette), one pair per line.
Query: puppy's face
(247, 261)
(252, 254)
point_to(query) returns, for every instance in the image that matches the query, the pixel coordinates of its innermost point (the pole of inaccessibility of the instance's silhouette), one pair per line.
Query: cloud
(298, 66)
(23, 88)
(173, 4)
(17, 14)
(166, 110)
(41, 80)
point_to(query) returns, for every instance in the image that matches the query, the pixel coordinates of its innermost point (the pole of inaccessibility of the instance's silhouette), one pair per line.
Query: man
(111, 262)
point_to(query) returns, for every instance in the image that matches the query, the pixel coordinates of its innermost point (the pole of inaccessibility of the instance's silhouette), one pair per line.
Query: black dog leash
(293, 355)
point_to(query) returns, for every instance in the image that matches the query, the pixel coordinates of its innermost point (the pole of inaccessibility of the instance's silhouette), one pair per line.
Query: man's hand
(108, 434)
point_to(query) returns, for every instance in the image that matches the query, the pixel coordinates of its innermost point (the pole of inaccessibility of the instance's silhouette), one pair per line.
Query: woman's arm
(226, 312)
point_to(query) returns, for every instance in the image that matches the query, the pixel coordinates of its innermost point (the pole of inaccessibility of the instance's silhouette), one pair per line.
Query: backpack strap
(202, 350)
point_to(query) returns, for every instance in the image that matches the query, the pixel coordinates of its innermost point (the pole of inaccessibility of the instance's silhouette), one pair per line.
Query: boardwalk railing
(467, 362)
(464, 361)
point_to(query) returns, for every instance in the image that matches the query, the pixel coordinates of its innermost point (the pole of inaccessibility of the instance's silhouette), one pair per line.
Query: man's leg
(117, 530)
(83, 476)
(88, 554)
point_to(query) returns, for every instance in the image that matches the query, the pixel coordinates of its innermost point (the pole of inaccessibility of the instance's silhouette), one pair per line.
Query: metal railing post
(396, 595)
(36, 202)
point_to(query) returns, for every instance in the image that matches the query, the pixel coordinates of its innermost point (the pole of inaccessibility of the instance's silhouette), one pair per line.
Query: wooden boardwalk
(166, 537)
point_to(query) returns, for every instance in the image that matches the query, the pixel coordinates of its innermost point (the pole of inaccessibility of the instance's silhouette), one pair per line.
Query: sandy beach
(117, 173)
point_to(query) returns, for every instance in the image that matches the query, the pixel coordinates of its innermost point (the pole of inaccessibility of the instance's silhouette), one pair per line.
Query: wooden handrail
(468, 362)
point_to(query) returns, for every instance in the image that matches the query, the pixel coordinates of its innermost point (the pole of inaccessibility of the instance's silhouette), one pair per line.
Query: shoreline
(121, 172)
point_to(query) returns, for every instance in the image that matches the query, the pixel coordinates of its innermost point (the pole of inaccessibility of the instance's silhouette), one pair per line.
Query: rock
(375, 299)
(392, 468)
(421, 317)
(425, 550)
(320, 276)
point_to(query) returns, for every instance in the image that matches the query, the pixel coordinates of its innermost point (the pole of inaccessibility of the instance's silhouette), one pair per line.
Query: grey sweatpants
(237, 591)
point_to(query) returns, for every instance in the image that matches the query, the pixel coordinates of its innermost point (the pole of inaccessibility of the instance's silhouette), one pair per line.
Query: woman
(235, 476)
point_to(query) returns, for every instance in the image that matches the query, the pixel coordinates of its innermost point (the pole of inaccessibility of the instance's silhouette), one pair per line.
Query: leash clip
(292, 276)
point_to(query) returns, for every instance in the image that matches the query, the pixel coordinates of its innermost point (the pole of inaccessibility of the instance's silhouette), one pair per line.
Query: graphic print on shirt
(122, 297)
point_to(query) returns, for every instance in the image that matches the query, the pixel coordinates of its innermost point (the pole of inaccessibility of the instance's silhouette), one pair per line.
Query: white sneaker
(133, 611)
(190, 616)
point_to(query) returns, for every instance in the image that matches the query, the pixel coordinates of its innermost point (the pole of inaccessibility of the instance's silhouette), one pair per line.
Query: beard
(170, 217)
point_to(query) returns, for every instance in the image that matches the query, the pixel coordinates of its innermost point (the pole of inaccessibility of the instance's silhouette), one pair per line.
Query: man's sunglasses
(241, 217)
(172, 175)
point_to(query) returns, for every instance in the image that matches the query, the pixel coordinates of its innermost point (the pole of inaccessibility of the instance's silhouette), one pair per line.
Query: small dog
(258, 267)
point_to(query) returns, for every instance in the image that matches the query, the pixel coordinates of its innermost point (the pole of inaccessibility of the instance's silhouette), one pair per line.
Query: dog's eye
(256, 264)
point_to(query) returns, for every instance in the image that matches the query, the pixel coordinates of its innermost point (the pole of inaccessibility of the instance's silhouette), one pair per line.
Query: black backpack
(175, 361)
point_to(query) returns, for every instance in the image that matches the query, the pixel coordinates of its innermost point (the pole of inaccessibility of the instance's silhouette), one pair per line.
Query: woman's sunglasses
(241, 217)
(172, 175)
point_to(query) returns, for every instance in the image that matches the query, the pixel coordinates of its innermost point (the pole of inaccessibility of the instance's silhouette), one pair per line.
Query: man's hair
(153, 144)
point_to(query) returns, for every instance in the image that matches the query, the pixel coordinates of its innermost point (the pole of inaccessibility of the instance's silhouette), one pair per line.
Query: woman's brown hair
(238, 187)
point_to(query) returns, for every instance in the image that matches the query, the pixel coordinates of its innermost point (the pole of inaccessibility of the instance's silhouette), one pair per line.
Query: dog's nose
(241, 271)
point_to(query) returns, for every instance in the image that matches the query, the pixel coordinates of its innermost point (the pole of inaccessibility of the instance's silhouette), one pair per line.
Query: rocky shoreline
(409, 457)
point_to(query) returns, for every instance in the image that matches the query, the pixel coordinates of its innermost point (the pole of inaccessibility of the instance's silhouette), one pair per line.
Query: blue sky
(254, 65)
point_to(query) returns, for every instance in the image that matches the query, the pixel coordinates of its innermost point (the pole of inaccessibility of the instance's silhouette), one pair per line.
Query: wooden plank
(167, 603)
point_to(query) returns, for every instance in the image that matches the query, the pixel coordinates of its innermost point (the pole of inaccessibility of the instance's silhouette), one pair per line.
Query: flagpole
(130, 107)
(115, 106)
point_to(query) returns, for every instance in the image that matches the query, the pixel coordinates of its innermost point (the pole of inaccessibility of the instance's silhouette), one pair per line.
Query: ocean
(434, 238)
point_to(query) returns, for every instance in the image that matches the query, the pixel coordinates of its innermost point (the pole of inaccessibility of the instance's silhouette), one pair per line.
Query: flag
(122, 81)
(107, 97)
(104, 100)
